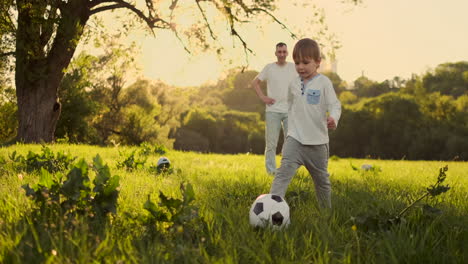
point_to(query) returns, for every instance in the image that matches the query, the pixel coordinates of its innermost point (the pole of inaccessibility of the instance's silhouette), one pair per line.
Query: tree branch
(232, 18)
(105, 8)
(181, 41)
(234, 33)
(6, 19)
(275, 19)
(244, 44)
(174, 4)
(5, 54)
(149, 19)
(206, 20)
(152, 20)
(73, 17)
(98, 2)
(48, 26)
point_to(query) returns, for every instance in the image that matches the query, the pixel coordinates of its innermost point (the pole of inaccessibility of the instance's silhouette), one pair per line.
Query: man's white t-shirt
(308, 107)
(278, 78)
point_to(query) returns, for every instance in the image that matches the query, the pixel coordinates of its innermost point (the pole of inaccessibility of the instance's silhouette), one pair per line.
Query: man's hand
(268, 100)
(331, 123)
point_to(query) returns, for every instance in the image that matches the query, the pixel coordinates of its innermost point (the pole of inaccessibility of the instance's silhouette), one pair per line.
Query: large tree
(47, 32)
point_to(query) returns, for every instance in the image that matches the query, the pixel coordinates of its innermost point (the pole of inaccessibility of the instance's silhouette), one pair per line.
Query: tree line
(424, 117)
(87, 99)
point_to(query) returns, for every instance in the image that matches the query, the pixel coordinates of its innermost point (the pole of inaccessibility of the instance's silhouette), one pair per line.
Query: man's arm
(256, 85)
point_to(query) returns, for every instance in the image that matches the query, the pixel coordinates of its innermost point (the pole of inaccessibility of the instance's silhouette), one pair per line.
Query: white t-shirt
(308, 107)
(278, 78)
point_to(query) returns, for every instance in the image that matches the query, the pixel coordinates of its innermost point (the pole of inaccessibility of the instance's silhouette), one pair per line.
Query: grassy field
(214, 227)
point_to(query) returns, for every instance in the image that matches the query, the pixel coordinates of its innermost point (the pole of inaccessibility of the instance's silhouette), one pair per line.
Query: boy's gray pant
(273, 122)
(314, 158)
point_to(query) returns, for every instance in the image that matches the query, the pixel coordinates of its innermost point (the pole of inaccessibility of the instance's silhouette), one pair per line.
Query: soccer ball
(269, 210)
(163, 164)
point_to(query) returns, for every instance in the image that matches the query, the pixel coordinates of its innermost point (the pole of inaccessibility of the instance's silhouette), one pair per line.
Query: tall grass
(225, 186)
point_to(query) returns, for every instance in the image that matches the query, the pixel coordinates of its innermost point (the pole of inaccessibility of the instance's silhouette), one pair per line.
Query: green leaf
(437, 190)
(170, 203)
(188, 192)
(106, 198)
(45, 179)
(102, 174)
(107, 203)
(112, 185)
(77, 180)
(154, 211)
(13, 156)
(105, 187)
(98, 163)
(150, 206)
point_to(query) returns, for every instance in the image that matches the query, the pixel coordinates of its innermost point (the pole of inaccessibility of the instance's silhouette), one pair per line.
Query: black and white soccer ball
(269, 210)
(163, 164)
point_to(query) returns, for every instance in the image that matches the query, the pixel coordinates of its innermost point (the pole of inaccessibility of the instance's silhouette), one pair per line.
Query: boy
(310, 96)
(277, 75)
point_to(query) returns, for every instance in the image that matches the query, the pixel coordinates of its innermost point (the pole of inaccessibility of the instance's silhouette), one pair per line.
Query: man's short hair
(281, 44)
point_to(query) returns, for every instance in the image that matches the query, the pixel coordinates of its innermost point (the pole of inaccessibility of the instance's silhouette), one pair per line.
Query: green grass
(225, 187)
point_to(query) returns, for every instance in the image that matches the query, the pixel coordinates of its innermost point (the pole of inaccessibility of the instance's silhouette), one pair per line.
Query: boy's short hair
(281, 44)
(306, 48)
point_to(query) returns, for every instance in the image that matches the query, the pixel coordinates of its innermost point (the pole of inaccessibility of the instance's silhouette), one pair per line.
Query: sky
(380, 39)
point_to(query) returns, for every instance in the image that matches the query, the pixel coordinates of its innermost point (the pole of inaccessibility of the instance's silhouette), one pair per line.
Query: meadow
(198, 212)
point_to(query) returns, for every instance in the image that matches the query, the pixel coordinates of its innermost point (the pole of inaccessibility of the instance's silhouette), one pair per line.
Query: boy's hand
(268, 100)
(331, 123)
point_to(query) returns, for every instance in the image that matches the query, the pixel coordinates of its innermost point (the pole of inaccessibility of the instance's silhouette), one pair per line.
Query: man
(277, 75)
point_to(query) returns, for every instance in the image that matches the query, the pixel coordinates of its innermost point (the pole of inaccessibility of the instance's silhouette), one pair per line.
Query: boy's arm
(333, 104)
(290, 95)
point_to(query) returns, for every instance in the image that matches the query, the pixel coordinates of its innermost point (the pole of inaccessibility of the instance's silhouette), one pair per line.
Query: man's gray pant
(314, 158)
(273, 122)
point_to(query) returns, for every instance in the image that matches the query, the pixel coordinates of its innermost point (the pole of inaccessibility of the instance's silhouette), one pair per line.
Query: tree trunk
(38, 112)
(39, 69)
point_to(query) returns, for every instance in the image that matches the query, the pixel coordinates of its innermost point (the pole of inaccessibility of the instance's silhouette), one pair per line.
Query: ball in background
(163, 164)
